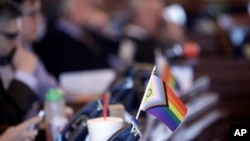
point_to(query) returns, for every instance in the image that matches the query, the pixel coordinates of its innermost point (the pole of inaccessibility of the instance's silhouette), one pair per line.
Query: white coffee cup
(100, 129)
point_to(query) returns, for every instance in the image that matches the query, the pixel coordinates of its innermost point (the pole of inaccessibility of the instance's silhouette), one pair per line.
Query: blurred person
(152, 25)
(174, 29)
(16, 99)
(65, 46)
(21, 131)
(31, 28)
(32, 20)
(140, 35)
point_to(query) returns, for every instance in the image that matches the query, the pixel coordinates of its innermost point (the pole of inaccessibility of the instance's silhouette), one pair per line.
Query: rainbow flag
(169, 78)
(164, 71)
(161, 101)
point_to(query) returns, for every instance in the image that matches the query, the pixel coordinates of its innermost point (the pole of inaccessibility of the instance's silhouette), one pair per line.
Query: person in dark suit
(66, 47)
(18, 98)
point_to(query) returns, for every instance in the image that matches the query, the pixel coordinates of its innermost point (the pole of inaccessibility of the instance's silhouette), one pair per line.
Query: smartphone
(41, 114)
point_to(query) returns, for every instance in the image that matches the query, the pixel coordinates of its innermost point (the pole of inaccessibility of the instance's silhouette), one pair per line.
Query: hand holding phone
(21, 131)
(33, 126)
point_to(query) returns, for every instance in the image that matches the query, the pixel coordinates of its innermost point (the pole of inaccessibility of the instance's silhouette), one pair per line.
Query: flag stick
(139, 111)
(105, 108)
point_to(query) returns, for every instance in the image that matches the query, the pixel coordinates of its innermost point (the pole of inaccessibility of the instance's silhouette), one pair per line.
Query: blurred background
(204, 43)
(220, 29)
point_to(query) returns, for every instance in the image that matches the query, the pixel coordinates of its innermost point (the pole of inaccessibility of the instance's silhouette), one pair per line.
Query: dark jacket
(144, 42)
(62, 53)
(14, 103)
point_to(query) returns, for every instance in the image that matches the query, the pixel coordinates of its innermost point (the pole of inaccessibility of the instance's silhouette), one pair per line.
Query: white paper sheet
(87, 82)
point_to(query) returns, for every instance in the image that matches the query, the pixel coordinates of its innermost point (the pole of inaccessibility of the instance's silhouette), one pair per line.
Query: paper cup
(100, 129)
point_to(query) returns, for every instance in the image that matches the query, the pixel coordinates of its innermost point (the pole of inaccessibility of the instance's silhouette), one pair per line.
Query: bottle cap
(53, 95)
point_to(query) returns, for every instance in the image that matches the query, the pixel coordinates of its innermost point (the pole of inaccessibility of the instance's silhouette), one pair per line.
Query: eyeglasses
(10, 36)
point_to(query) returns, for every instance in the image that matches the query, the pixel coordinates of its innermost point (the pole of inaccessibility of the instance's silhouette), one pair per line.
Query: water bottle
(55, 116)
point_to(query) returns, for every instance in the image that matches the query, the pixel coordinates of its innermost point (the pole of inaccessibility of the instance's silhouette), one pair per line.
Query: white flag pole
(139, 110)
(150, 79)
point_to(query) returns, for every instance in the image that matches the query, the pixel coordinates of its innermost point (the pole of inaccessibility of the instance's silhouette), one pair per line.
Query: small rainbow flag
(164, 71)
(169, 78)
(161, 101)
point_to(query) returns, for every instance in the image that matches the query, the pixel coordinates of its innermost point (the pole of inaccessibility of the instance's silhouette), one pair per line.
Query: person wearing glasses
(18, 97)
(31, 29)
(32, 23)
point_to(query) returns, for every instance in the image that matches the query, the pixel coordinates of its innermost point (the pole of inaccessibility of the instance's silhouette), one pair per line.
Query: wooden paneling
(230, 77)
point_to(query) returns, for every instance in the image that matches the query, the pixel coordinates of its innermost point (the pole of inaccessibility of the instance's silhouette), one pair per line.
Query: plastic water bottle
(55, 116)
